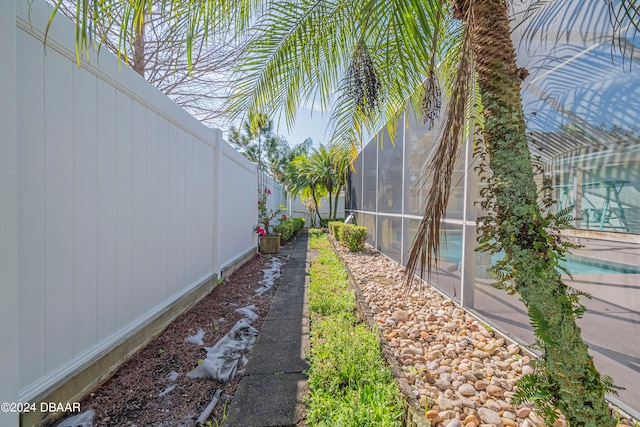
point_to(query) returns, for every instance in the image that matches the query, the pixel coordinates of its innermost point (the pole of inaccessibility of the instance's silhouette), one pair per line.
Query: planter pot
(270, 244)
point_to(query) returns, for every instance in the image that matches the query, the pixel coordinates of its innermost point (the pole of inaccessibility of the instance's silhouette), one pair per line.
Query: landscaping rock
(537, 420)
(462, 368)
(489, 416)
(467, 390)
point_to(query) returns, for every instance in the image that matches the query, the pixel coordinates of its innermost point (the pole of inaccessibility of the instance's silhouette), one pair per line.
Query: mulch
(133, 395)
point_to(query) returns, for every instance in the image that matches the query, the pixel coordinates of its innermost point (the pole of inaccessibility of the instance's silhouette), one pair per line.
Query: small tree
(304, 180)
(329, 165)
(341, 157)
(254, 139)
(195, 77)
(324, 173)
(266, 215)
(311, 206)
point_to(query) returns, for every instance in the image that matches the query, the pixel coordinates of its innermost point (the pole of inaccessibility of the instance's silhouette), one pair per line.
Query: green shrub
(285, 229)
(288, 228)
(353, 237)
(334, 229)
(298, 223)
(325, 222)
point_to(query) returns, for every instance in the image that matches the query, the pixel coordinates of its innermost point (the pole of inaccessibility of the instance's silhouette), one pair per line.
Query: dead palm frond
(426, 244)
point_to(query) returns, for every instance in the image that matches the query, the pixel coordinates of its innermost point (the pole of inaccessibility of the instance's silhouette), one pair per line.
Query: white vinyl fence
(276, 199)
(299, 210)
(118, 203)
(9, 357)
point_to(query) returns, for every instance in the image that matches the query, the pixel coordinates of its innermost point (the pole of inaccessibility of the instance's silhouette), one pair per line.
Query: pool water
(451, 251)
(583, 265)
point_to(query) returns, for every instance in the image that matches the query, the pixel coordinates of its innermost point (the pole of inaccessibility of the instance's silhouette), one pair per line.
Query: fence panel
(125, 203)
(238, 208)
(9, 245)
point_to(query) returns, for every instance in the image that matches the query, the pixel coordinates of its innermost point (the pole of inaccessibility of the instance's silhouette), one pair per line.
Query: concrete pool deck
(611, 325)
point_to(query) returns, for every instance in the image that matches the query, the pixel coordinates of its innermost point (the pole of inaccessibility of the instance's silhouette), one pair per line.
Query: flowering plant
(265, 215)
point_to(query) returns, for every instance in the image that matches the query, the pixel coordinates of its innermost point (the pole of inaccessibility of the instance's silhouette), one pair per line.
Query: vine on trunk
(528, 234)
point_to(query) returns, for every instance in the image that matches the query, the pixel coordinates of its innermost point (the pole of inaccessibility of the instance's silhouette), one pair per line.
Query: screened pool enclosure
(582, 107)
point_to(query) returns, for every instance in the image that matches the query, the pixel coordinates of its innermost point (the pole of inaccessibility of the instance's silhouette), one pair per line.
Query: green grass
(350, 383)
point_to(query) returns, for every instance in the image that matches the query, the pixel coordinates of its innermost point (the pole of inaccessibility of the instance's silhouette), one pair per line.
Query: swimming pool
(451, 251)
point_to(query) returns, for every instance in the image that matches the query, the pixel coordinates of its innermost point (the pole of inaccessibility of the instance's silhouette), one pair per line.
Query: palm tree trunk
(317, 202)
(139, 65)
(335, 203)
(572, 374)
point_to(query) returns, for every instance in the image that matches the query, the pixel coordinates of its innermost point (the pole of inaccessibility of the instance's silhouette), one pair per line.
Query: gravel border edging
(365, 313)
(413, 413)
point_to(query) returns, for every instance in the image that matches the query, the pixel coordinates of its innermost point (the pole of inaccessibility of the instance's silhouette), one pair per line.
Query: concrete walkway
(274, 384)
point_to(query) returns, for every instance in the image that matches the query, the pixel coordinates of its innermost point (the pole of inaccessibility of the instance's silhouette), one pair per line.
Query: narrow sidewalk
(274, 384)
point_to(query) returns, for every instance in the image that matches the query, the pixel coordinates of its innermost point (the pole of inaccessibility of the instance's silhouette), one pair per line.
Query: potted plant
(269, 242)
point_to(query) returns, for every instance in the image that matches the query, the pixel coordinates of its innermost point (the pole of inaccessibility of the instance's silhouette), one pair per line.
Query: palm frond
(426, 244)
(193, 20)
(296, 53)
(625, 21)
(318, 50)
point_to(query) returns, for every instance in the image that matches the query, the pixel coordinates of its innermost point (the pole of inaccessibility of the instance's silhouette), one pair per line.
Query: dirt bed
(152, 388)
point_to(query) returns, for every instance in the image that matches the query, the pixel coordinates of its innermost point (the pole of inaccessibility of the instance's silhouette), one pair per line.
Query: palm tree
(330, 164)
(304, 180)
(340, 157)
(375, 55)
(283, 156)
(366, 58)
(322, 169)
(322, 172)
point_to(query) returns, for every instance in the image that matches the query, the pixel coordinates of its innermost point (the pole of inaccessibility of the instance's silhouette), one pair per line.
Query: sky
(310, 122)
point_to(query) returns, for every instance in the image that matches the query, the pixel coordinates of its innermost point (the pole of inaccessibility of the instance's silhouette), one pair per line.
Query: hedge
(324, 223)
(353, 237)
(299, 223)
(288, 228)
(334, 229)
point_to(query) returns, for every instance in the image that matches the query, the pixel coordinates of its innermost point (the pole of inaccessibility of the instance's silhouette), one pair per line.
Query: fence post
(9, 349)
(468, 273)
(217, 203)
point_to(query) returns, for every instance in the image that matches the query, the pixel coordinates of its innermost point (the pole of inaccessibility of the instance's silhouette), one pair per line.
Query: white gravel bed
(461, 372)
